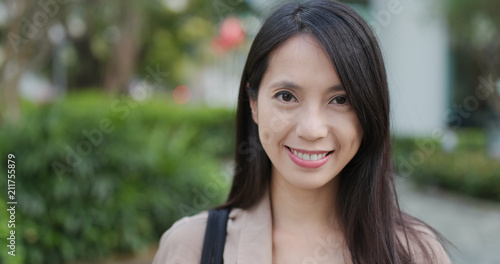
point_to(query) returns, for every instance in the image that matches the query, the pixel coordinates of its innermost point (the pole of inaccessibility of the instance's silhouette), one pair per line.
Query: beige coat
(249, 238)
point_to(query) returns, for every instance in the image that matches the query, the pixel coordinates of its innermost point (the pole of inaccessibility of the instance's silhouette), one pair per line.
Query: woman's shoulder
(424, 244)
(183, 242)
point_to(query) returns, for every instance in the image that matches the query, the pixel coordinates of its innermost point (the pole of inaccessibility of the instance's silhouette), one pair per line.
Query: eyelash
(279, 96)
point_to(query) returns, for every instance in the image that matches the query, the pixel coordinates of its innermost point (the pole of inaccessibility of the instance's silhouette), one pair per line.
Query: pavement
(471, 225)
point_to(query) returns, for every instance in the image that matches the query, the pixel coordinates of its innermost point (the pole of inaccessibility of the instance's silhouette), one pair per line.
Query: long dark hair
(367, 201)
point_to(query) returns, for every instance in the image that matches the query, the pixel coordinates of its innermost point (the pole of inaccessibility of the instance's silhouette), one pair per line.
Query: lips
(308, 159)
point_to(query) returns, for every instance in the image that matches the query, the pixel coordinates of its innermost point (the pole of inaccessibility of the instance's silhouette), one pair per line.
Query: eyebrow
(289, 84)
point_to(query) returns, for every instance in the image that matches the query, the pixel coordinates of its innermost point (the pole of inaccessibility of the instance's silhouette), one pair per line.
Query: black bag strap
(215, 236)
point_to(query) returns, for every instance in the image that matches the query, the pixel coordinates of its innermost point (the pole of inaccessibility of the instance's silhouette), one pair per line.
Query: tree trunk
(26, 45)
(121, 65)
(12, 67)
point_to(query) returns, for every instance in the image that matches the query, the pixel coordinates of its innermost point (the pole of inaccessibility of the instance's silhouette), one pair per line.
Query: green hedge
(98, 175)
(465, 170)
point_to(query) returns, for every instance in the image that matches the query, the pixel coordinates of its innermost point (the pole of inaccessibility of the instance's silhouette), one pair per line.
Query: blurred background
(120, 115)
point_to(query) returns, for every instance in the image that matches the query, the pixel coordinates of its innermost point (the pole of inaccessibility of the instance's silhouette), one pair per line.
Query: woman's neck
(294, 208)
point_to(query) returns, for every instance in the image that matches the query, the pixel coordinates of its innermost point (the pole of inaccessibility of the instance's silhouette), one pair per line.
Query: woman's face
(306, 124)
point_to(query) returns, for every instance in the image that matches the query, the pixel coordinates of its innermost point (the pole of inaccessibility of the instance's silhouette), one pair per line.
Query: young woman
(313, 180)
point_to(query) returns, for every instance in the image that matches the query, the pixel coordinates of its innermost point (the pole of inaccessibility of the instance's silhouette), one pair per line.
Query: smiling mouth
(310, 155)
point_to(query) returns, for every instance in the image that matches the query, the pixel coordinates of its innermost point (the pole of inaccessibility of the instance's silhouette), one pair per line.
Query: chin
(306, 180)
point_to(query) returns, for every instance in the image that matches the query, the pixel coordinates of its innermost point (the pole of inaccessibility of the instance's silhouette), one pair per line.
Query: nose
(312, 124)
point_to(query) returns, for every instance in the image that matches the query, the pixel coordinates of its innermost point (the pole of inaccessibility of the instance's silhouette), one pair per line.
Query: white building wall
(414, 44)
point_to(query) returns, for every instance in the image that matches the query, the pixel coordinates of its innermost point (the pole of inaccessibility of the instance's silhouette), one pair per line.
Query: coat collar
(255, 240)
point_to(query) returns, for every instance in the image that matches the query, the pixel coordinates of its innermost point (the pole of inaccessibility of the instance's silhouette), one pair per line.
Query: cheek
(266, 137)
(273, 121)
(267, 130)
(349, 131)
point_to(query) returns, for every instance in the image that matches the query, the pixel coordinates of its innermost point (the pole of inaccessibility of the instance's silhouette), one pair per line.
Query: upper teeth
(308, 157)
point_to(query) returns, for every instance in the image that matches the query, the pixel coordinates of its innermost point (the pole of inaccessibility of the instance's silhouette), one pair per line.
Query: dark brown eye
(341, 100)
(285, 96)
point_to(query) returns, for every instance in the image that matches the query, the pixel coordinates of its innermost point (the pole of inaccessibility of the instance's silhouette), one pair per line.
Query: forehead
(301, 60)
